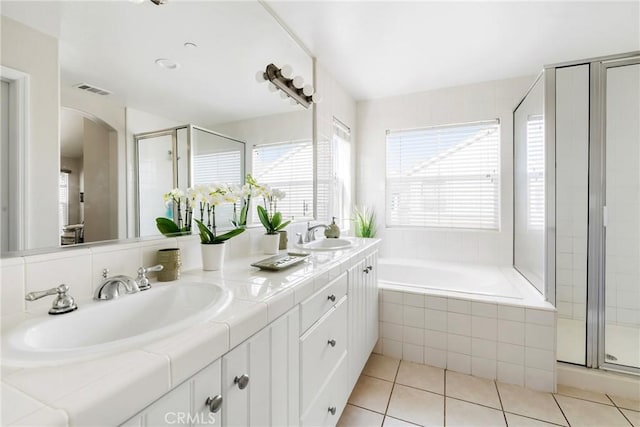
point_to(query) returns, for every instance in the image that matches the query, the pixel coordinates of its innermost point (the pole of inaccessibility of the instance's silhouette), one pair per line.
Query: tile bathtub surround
(512, 344)
(425, 395)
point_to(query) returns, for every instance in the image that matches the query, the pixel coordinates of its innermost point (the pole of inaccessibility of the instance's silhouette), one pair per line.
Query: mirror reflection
(95, 92)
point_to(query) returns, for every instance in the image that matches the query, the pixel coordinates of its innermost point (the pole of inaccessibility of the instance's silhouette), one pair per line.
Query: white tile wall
(513, 344)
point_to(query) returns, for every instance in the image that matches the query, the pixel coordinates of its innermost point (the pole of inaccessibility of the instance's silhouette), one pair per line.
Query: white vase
(212, 256)
(270, 243)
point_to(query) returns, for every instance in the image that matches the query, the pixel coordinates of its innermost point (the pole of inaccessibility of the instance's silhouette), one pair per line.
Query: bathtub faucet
(311, 231)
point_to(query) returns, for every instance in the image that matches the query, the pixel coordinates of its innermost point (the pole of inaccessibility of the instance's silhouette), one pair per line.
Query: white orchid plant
(269, 216)
(205, 198)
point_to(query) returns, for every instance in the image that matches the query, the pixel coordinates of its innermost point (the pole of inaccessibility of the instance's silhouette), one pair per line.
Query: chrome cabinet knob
(332, 343)
(332, 410)
(331, 298)
(214, 403)
(242, 381)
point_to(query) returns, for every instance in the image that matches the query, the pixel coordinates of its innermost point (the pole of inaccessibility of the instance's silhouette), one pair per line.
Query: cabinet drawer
(318, 357)
(333, 395)
(319, 303)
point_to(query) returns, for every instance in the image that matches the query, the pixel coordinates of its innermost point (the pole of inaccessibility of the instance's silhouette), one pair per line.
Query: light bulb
(272, 87)
(286, 71)
(307, 90)
(298, 82)
(316, 97)
(283, 95)
(260, 77)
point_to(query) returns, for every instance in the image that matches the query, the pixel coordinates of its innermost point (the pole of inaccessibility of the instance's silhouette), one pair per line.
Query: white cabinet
(195, 402)
(363, 315)
(260, 377)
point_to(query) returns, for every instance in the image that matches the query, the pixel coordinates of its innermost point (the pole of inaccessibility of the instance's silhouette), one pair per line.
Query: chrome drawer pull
(242, 381)
(332, 410)
(332, 343)
(214, 403)
(331, 297)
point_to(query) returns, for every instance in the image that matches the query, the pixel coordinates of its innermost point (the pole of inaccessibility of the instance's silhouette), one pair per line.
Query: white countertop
(112, 388)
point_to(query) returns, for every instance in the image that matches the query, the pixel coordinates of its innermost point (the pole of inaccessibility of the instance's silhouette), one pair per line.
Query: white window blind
(535, 172)
(334, 176)
(444, 176)
(63, 199)
(221, 167)
(288, 167)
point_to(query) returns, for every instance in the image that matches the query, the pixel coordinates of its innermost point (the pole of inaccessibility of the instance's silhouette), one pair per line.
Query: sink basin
(99, 327)
(327, 245)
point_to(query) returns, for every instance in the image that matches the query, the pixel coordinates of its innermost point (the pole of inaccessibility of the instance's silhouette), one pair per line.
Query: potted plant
(176, 201)
(271, 219)
(245, 194)
(365, 221)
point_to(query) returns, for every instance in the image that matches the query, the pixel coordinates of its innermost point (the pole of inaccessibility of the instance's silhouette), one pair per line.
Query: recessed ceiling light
(167, 63)
(190, 45)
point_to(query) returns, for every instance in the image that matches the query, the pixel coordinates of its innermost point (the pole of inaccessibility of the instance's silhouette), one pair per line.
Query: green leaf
(276, 220)
(226, 236)
(264, 219)
(167, 227)
(206, 236)
(283, 225)
(243, 213)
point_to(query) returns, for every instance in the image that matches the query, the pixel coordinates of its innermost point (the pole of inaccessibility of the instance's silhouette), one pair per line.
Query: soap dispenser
(332, 231)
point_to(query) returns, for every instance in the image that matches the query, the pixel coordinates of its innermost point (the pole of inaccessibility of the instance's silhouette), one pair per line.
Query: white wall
(36, 54)
(481, 101)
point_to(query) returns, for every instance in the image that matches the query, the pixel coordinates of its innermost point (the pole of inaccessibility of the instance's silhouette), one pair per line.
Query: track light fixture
(291, 87)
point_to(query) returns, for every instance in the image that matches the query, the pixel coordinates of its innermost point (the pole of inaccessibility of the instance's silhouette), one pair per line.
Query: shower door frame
(596, 307)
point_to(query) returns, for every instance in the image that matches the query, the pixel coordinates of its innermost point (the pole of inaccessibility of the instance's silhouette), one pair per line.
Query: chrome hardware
(110, 288)
(214, 403)
(62, 303)
(142, 280)
(332, 410)
(300, 240)
(366, 270)
(311, 231)
(242, 381)
(332, 343)
(331, 297)
(369, 267)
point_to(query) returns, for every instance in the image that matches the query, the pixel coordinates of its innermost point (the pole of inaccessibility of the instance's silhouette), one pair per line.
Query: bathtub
(444, 278)
(487, 321)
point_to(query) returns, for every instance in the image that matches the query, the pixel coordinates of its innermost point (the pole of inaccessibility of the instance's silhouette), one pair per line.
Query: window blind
(63, 198)
(288, 167)
(535, 172)
(334, 176)
(221, 167)
(444, 176)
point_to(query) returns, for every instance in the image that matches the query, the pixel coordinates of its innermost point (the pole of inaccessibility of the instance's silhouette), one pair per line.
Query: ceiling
(386, 48)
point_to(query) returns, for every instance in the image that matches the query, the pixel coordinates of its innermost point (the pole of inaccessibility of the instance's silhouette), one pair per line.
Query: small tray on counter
(281, 261)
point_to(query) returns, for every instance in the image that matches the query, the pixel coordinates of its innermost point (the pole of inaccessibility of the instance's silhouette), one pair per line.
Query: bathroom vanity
(287, 349)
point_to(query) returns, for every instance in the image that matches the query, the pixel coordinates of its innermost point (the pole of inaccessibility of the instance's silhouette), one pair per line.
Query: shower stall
(577, 205)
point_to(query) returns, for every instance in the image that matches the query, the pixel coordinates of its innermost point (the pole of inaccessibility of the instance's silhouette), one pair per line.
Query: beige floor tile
(626, 403)
(514, 420)
(371, 393)
(472, 389)
(583, 413)
(583, 394)
(353, 416)
(421, 376)
(416, 406)
(633, 416)
(394, 422)
(530, 403)
(459, 413)
(382, 367)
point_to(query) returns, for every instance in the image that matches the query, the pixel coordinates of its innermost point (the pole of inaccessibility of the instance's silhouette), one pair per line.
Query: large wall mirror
(83, 82)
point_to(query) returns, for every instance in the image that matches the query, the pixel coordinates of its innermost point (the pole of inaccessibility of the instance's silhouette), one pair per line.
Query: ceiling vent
(92, 89)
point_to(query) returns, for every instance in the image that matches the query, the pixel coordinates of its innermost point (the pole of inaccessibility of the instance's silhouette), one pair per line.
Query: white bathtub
(464, 280)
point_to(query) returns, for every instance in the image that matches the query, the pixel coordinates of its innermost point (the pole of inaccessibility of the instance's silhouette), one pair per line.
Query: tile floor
(393, 393)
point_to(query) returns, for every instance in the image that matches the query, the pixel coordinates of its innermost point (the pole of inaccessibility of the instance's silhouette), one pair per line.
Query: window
(334, 176)
(444, 176)
(63, 200)
(221, 167)
(535, 172)
(288, 167)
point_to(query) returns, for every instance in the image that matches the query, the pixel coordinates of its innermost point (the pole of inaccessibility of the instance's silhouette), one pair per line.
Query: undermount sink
(327, 245)
(100, 327)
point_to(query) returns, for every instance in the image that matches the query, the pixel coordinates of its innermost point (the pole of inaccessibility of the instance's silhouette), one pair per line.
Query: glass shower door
(622, 215)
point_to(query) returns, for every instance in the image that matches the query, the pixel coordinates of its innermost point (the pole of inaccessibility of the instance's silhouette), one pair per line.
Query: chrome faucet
(62, 303)
(311, 231)
(114, 286)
